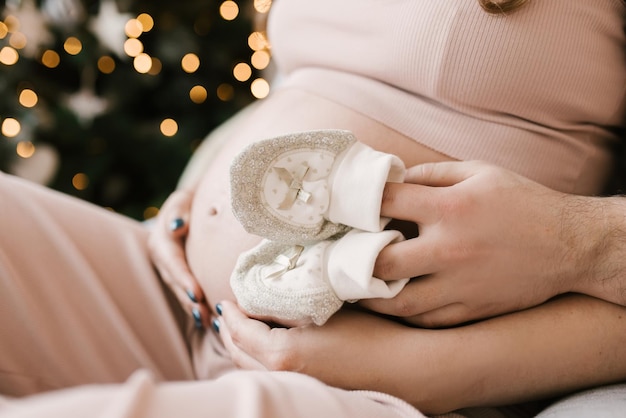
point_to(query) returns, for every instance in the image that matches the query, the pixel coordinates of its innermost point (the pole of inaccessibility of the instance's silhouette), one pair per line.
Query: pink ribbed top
(539, 91)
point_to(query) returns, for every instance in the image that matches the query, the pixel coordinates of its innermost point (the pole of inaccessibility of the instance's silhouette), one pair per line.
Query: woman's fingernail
(177, 223)
(218, 308)
(216, 325)
(197, 318)
(191, 295)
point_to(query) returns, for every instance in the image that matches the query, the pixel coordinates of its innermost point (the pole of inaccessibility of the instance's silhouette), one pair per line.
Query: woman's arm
(566, 344)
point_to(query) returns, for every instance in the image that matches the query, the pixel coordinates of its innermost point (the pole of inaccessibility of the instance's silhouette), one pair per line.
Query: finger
(441, 174)
(419, 296)
(199, 312)
(178, 227)
(172, 260)
(242, 336)
(176, 273)
(408, 202)
(240, 358)
(391, 262)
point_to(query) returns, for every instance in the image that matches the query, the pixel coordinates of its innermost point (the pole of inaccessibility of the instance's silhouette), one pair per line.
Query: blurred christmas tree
(106, 99)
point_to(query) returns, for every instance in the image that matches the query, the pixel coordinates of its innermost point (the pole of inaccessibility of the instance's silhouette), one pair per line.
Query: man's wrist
(602, 259)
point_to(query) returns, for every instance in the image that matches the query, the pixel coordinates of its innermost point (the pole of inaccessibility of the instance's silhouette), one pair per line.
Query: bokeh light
(8, 56)
(242, 72)
(106, 64)
(190, 63)
(150, 212)
(10, 127)
(229, 10)
(133, 47)
(28, 98)
(142, 63)
(12, 23)
(169, 127)
(147, 23)
(133, 28)
(157, 66)
(225, 92)
(50, 59)
(198, 94)
(260, 60)
(80, 181)
(260, 88)
(262, 6)
(25, 149)
(18, 40)
(257, 41)
(73, 45)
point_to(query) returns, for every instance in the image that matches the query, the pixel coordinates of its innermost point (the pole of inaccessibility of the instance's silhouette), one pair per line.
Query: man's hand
(490, 242)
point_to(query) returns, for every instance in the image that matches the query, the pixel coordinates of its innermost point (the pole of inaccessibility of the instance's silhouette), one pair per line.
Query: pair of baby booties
(315, 198)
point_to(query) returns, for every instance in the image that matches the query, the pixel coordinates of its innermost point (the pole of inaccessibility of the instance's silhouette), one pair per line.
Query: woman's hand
(490, 242)
(353, 350)
(167, 251)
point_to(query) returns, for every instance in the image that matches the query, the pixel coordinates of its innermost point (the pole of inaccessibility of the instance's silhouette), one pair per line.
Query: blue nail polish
(177, 224)
(197, 318)
(216, 325)
(218, 308)
(191, 295)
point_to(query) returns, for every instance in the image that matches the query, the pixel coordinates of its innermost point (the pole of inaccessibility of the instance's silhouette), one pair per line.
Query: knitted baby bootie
(306, 187)
(298, 285)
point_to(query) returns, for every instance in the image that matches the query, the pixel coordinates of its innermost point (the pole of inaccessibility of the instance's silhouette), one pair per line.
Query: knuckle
(426, 171)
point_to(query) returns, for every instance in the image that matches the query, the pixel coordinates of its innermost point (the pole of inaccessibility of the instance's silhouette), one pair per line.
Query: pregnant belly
(215, 238)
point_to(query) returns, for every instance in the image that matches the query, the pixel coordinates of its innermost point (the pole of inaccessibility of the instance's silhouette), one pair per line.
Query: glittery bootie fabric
(297, 285)
(306, 187)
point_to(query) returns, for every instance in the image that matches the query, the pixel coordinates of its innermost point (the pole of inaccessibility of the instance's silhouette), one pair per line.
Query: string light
(50, 59)
(260, 88)
(133, 28)
(73, 45)
(260, 60)
(147, 23)
(12, 23)
(150, 212)
(198, 94)
(25, 149)
(11, 127)
(242, 72)
(142, 63)
(225, 92)
(190, 63)
(257, 41)
(8, 55)
(28, 98)
(17, 40)
(262, 6)
(106, 64)
(133, 47)
(169, 127)
(80, 181)
(229, 10)
(4, 30)
(157, 65)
